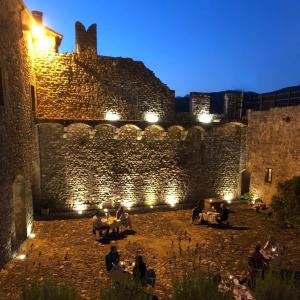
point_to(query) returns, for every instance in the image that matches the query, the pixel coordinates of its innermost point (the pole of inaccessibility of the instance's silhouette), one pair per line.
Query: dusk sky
(192, 45)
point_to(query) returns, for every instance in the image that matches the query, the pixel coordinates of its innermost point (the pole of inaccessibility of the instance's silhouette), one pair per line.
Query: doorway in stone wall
(19, 226)
(245, 182)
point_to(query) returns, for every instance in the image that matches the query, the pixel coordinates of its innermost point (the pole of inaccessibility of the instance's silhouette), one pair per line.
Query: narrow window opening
(268, 178)
(1, 88)
(33, 98)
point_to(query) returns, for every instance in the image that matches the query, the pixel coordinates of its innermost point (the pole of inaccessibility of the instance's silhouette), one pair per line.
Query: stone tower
(86, 40)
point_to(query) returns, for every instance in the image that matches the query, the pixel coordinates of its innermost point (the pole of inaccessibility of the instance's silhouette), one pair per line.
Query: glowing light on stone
(172, 200)
(112, 116)
(21, 256)
(80, 207)
(29, 229)
(151, 117)
(37, 31)
(32, 235)
(228, 197)
(205, 118)
(128, 204)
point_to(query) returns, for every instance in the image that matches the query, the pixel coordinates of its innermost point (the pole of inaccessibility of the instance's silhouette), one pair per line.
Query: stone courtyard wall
(78, 86)
(17, 147)
(85, 167)
(273, 141)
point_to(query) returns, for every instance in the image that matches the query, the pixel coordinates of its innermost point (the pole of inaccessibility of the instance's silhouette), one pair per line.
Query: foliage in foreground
(276, 286)
(120, 292)
(286, 204)
(197, 285)
(49, 291)
(247, 197)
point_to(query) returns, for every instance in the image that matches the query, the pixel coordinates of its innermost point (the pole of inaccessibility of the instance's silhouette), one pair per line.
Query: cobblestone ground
(65, 250)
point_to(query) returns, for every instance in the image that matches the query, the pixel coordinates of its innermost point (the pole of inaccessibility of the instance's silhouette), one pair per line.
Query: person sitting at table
(196, 211)
(119, 212)
(123, 217)
(112, 259)
(224, 213)
(257, 265)
(98, 225)
(140, 270)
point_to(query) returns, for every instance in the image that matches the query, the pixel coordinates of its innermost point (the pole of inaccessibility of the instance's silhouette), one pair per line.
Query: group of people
(140, 273)
(222, 210)
(100, 226)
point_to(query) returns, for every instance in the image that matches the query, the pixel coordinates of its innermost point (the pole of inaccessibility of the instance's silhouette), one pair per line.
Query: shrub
(286, 204)
(49, 291)
(276, 286)
(247, 197)
(197, 285)
(122, 292)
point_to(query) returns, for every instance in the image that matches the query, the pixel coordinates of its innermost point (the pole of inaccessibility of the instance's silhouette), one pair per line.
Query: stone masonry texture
(273, 141)
(17, 147)
(50, 156)
(84, 167)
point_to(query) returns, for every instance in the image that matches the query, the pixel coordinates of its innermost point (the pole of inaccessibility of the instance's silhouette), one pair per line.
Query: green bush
(121, 292)
(276, 287)
(49, 291)
(247, 197)
(197, 285)
(286, 204)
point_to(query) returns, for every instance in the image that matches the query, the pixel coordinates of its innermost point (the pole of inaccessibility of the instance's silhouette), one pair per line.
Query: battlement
(86, 39)
(133, 132)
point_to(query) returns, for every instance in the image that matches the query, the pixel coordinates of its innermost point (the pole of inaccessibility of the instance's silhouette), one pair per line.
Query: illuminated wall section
(126, 165)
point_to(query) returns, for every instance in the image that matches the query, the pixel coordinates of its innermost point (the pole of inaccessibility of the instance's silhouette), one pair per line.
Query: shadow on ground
(114, 236)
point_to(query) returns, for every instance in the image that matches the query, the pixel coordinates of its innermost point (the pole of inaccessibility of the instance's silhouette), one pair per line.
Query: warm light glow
(128, 204)
(37, 31)
(32, 235)
(172, 200)
(205, 118)
(228, 197)
(29, 229)
(112, 116)
(105, 210)
(273, 249)
(21, 256)
(151, 117)
(151, 206)
(43, 45)
(80, 207)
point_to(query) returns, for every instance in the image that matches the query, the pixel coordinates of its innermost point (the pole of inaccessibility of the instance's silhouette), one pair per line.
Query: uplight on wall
(112, 116)
(228, 197)
(151, 117)
(172, 200)
(205, 118)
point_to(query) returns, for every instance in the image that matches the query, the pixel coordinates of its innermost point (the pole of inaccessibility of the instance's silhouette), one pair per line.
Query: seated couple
(140, 273)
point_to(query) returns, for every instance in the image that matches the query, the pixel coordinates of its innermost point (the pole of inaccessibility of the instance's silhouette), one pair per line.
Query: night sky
(192, 45)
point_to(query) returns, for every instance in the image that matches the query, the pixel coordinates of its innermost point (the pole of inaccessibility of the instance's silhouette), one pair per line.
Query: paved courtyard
(65, 250)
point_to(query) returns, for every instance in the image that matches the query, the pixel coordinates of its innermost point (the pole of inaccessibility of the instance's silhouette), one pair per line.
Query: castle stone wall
(84, 87)
(87, 168)
(273, 141)
(17, 154)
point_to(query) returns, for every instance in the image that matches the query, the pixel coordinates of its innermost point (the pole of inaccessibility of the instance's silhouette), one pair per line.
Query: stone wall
(87, 167)
(84, 87)
(273, 141)
(17, 155)
(200, 103)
